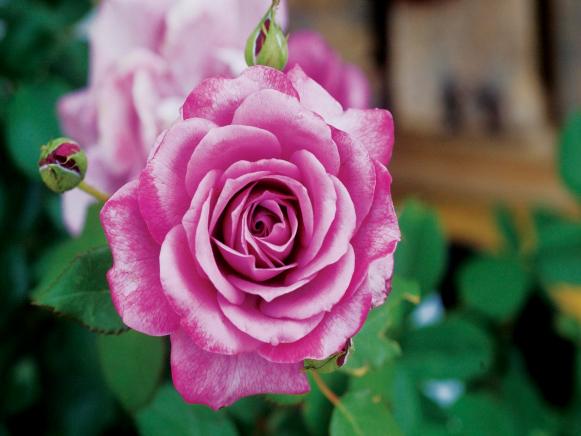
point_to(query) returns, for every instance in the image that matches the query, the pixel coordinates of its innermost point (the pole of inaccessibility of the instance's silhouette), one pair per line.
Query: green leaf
(558, 249)
(495, 286)
(132, 365)
(23, 387)
(525, 403)
(394, 386)
(362, 414)
(285, 400)
(371, 346)
(453, 349)
(481, 414)
(317, 409)
(508, 229)
(81, 292)
(570, 153)
(421, 255)
(169, 415)
(31, 122)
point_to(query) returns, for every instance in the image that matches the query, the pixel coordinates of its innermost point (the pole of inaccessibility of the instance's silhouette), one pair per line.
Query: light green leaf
(508, 229)
(81, 292)
(31, 122)
(169, 415)
(495, 286)
(421, 255)
(361, 414)
(132, 365)
(453, 349)
(570, 153)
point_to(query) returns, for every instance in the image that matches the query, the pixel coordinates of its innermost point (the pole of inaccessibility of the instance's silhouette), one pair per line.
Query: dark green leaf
(169, 415)
(362, 414)
(82, 293)
(23, 388)
(453, 349)
(497, 287)
(32, 122)
(371, 346)
(285, 400)
(570, 153)
(421, 255)
(317, 409)
(132, 365)
(525, 403)
(481, 415)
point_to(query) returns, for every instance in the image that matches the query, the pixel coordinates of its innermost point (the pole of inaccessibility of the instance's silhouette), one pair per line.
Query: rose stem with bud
(93, 192)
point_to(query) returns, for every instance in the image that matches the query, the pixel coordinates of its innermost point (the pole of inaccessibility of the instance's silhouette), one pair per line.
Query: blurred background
(487, 180)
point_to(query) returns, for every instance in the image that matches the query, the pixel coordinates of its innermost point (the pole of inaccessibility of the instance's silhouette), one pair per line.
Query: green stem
(93, 192)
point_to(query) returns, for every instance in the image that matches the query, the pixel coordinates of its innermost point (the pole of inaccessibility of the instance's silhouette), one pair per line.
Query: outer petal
(194, 299)
(218, 380)
(372, 127)
(295, 127)
(356, 92)
(313, 95)
(163, 198)
(224, 146)
(357, 173)
(329, 337)
(379, 233)
(216, 99)
(134, 278)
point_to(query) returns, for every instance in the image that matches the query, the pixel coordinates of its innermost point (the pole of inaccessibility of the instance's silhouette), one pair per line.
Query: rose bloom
(260, 233)
(146, 55)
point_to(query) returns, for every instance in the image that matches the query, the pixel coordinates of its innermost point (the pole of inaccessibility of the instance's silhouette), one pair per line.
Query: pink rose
(146, 55)
(344, 81)
(260, 233)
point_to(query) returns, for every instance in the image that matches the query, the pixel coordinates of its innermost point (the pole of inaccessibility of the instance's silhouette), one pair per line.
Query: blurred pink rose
(344, 81)
(260, 233)
(146, 55)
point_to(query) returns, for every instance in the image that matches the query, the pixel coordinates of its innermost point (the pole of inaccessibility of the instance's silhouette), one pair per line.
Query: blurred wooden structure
(506, 65)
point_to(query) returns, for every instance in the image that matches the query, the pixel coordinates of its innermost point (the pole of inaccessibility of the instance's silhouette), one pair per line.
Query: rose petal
(218, 380)
(357, 173)
(163, 198)
(78, 117)
(195, 300)
(217, 99)
(320, 294)
(246, 264)
(322, 191)
(373, 128)
(379, 234)
(266, 292)
(313, 96)
(134, 277)
(204, 254)
(295, 127)
(248, 318)
(329, 337)
(223, 146)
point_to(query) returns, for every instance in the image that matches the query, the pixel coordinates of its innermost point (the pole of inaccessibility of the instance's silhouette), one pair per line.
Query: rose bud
(267, 45)
(62, 165)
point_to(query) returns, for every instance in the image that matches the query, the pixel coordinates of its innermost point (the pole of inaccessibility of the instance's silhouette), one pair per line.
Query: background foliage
(468, 343)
